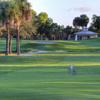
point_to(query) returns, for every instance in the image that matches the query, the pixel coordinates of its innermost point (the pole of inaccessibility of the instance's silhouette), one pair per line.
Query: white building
(85, 34)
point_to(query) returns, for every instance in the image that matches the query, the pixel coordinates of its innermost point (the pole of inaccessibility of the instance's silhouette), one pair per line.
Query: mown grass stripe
(72, 82)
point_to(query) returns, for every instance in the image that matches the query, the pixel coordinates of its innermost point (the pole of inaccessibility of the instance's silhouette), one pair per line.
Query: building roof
(86, 32)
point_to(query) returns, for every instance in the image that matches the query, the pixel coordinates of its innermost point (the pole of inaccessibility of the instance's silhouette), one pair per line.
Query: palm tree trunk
(7, 42)
(59, 37)
(54, 37)
(18, 45)
(75, 26)
(79, 29)
(82, 28)
(10, 42)
(41, 37)
(67, 36)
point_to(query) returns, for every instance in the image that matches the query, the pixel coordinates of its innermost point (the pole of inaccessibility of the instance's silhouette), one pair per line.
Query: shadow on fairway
(31, 96)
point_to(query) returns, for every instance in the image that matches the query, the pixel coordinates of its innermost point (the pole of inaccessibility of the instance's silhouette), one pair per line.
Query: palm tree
(21, 12)
(5, 19)
(26, 15)
(84, 20)
(76, 22)
(12, 13)
(81, 21)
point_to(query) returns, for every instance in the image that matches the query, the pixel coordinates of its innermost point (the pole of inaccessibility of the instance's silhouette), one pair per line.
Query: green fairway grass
(42, 77)
(89, 45)
(46, 76)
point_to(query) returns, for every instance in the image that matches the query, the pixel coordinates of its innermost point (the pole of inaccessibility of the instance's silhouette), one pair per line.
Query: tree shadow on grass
(30, 96)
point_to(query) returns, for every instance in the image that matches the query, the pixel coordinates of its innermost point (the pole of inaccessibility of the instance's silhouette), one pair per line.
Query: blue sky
(64, 11)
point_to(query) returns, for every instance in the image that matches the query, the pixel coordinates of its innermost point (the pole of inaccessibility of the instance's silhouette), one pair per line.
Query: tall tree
(41, 19)
(54, 30)
(27, 30)
(68, 30)
(76, 22)
(62, 31)
(84, 20)
(12, 32)
(95, 25)
(48, 27)
(59, 31)
(12, 13)
(24, 15)
(6, 16)
(96, 21)
(81, 21)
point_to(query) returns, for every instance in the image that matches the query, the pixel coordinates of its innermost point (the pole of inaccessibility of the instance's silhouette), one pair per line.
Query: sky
(64, 11)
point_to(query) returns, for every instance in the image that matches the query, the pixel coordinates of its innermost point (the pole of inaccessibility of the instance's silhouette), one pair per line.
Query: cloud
(82, 9)
(70, 9)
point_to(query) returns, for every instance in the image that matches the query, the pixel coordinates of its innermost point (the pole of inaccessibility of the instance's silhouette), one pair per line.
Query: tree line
(19, 21)
(12, 14)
